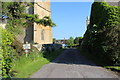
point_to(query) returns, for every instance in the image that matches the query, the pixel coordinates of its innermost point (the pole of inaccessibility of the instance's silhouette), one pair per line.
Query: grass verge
(26, 66)
(115, 68)
(50, 56)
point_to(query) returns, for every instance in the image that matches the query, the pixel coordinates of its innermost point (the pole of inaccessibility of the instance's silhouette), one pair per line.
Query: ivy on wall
(104, 15)
(102, 36)
(46, 21)
(18, 18)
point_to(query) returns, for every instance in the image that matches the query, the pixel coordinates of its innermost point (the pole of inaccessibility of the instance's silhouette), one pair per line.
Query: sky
(70, 18)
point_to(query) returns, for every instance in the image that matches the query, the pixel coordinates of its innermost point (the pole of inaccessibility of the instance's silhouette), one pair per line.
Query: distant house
(62, 41)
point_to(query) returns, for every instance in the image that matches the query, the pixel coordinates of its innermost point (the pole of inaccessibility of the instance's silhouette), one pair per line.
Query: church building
(37, 33)
(42, 34)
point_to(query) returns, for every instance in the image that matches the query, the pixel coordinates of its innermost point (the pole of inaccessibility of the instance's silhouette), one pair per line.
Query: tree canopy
(19, 18)
(70, 41)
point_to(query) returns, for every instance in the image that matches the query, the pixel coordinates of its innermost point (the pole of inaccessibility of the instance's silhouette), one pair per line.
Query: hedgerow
(6, 52)
(102, 36)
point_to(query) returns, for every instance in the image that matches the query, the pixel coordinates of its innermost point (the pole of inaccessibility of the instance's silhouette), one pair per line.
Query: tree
(70, 42)
(54, 39)
(80, 40)
(18, 18)
(77, 40)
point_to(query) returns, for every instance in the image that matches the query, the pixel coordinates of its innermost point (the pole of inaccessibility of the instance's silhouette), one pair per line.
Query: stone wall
(114, 3)
(51, 47)
(33, 33)
(42, 9)
(21, 36)
(38, 34)
(29, 31)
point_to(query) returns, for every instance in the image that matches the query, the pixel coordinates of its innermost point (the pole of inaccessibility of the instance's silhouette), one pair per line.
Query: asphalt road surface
(70, 64)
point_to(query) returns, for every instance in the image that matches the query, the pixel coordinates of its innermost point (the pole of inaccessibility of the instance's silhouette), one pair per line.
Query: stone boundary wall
(48, 47)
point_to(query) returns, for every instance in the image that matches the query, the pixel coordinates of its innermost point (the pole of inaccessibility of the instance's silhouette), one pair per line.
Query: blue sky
(70, 18)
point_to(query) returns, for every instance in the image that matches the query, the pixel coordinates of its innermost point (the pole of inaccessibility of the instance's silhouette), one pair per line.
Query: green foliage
(54, 39)
(101, 38)
(16, 21)
(31, 17)
(77, 40)
(117, 68)
(6, 52)
(18, 18)
(14, 11)
(70, 42)
(32, 63)
(24, 66)
(18, 47)
(51, 55)
(107, 16)
(46, 21)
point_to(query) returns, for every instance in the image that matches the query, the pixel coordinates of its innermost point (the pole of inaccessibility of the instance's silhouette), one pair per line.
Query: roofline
(43, 7)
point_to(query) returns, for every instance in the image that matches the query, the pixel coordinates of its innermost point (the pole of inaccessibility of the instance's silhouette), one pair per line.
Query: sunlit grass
(113, 67)
(26, 66)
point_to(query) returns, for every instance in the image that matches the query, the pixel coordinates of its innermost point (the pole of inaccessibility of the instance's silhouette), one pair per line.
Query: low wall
(48, 47)
(51, 47)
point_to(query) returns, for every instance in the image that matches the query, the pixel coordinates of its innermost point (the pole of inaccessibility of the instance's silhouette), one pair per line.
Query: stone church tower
(87, 21)
(38, 33)
(42, 34)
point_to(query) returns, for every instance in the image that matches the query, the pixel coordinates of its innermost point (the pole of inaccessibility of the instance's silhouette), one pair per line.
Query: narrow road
(70, 64)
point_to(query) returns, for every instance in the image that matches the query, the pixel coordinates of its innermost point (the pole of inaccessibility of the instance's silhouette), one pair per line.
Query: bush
(102, 36)
(7, 51)
(18, 46)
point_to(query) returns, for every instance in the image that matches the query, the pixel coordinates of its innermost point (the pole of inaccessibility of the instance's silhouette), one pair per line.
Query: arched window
(42, 34)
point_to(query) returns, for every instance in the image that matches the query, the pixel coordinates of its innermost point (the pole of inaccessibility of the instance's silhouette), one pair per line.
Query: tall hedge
(104, 15)
(102, 36)
(6, 52)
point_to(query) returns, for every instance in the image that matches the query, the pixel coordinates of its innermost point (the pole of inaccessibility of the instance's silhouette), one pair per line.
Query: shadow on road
(72, 56)
(71, 64)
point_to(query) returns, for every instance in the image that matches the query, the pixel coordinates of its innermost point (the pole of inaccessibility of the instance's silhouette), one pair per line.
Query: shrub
(102, 36)
(18, 47)
(6, 52)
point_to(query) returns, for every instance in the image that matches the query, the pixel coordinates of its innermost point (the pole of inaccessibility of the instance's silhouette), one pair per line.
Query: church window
(42, 34)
